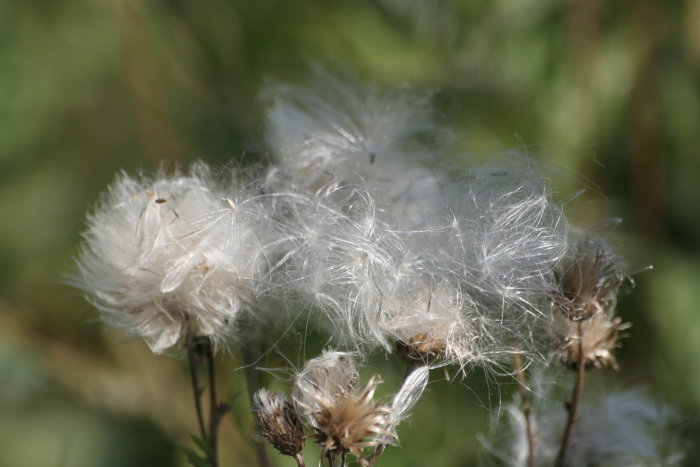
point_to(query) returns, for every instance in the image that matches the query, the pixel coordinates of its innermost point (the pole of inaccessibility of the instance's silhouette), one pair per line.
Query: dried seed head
(421, 348)
(279, 423)
(588, 282)
(600, 336)
(344, 417)
(589, 279)
(352, 422)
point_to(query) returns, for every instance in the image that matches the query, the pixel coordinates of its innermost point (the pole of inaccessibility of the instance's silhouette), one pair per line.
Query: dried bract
(344, 416)
(600, 336)
(279, 422)
(589, 278)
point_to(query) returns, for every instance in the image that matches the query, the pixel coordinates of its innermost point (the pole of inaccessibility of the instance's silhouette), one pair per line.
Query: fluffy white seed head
(166, 257)
(341, 251)
(622, 427)
(626, 427)
(502, 245)
(430, 322)
(335, 131)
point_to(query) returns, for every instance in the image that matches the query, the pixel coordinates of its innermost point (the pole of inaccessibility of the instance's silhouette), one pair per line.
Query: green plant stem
(199, 349)
(193, 364)
(300, 460)
(331, 458)
(526, 407)
(214, 410)
(573, 406)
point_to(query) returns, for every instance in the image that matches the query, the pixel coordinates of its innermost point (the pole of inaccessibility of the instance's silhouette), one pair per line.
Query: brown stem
(253, 383)
(375, 455)
(300, 459)
(573, 406)
(527, 408)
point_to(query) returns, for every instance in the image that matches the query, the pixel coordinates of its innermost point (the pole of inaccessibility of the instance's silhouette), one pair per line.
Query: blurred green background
(606, 94)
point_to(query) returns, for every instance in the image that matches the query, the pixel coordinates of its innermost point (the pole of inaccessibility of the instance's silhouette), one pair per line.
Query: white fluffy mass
(167, 257)
(328, 396)
(621, 428)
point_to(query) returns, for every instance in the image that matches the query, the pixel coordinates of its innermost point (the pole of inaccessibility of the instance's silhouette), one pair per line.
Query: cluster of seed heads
(358, 223)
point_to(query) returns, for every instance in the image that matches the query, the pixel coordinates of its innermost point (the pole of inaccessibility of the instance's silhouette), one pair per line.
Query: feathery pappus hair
(334, 131)
(623, 427)
(371, 291)
(503, 238)
(343, 414)
(341, 250)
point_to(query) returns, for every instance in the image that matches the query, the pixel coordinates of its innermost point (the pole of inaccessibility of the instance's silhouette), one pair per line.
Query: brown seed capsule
(421, 348)
(279, 423)
(352, 421)
(588, 280)
(601, 336)
(588, 283)
(345, 418)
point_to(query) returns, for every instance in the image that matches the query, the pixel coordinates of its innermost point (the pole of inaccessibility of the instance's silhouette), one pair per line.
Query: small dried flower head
(279, 422)
(600, 335)
(344, 416)
(588, 278)
(168, 257)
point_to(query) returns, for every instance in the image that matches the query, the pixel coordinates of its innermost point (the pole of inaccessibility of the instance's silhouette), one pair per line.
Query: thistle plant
(440, 266)
(339, 413)
(172, 259)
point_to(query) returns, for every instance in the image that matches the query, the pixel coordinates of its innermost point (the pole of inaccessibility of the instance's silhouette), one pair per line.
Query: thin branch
(214, 409)
(375, 455)
(526, 407)
(573, 406)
